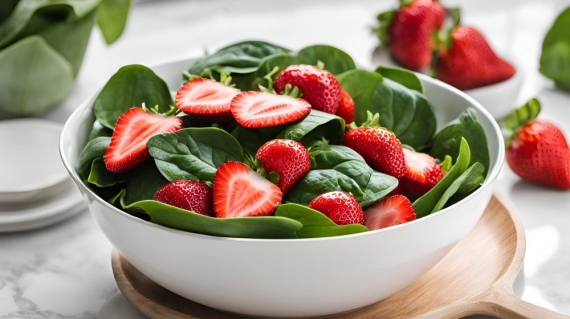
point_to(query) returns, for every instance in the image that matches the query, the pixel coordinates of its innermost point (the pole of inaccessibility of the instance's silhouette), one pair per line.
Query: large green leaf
(555, 58)
(316, 126)
(194, 153)
(339, 168)
(101, 177)
(403, 76)
(144, 183)
(96, 148)
(404, 111)
(6, 8)
(241, 227)
(34, 77)
(132, 86)
(112, 17)
(316, 224)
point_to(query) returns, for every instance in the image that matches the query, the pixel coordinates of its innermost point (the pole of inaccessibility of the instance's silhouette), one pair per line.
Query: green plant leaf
(112, 17)
(241, 227)
(194, 153)
(101, 177)
(555, 58)
(6, 8)
(384, 21)
(130, 87)
(427, 203)
(405, 77)
(316, 126)
(315, 224)
(464, 182)
(404, 111)
(99, 130)
(96, 148)
(339, 168)
(447, 141)
(29, 67)
(144, 183)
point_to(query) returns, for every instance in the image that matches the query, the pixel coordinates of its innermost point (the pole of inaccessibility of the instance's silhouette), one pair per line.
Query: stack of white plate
(35, 188)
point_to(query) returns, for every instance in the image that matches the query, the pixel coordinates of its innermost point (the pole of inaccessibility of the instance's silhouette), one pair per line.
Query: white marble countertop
(64, 271)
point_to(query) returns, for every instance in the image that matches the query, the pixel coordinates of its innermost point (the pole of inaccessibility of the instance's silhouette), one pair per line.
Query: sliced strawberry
(422, 174)
(194, 196)
(346, 107)
(241, 192)
(388, 212)
(342, 208)
(132, 130)
(206, 99)
(255, 109)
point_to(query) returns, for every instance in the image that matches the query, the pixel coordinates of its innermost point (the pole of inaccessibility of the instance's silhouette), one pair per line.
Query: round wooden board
(476, 277)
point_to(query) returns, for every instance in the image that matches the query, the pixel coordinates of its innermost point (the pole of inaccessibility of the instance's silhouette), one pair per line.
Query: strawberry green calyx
(443, 40)
(291, 91)
(384, 21)
(371, 120)
(155, 110)
(519, 118)
(226, 79)
(405, 3)
(320, 65)
(255, 164)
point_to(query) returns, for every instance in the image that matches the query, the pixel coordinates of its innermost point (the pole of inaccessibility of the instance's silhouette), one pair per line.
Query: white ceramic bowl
(289, 278)
(499, 98)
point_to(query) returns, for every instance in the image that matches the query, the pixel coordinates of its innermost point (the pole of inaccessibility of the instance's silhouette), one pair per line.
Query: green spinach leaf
(112, 17)
(194, 153)
(447, 141)
(339, 168)
(428, 202)
(101, 177)
(464, 182)
(404, 111)
(144, 183)
(316, 126)
(315, 224)
(405, 77)
(241, 227)
(96, 148)
(555, 58)
(99, 130)
(130, 87)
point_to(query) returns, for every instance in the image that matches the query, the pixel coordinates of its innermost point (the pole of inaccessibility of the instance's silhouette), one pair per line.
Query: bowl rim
(492, 174)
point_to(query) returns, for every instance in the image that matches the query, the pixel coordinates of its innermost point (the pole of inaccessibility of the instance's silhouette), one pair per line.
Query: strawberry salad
(263, 142)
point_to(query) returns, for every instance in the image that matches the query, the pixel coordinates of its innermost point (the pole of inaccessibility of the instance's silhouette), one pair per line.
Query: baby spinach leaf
(101, 177)
(447, 141)
(99, 130)
(242, 57)
(240, 227)
(405, 77)
(6, 8)
(112, 17)
(473, 173)
(96, 148)
(427, 203)
(339, 168)
(404, 111)
(194, 153)
(144, 183)
(555, 58)
(250, 139)
(335, 60)
(315, 224)
(28, 69)
(130, 87)
(316, 126)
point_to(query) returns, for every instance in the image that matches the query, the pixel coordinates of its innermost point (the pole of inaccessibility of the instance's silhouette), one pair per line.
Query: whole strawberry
(290, 159)
(408, 32)
(422, 174)
(342, 208)
(538, 151)
(190, 195)
(470, 62)
(346, 107)
(379, 147)
(319, 87)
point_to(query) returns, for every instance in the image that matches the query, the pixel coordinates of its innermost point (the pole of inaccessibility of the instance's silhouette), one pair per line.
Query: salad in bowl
(267, 182)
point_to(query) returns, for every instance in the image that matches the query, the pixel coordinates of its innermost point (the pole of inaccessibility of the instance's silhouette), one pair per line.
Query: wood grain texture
(476, 277)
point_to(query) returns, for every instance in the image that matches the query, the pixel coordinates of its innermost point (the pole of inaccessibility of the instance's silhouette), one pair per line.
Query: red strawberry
(539, 153)
(255, 109)
(132, 130)
(346, 107)
(342, 208)
(207, 99)
(241, 192)
(319, 87)
(194, 196)
(422, 173)
(288, 158)
(379, 147)
(390, 211)
(470, 62)
(408, 32)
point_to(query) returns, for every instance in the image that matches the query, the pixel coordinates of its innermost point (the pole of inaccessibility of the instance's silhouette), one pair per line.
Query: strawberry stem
(371, 119)
(292, 91)
(384, 20)
(226, 79)
(320, 65)
(519, 118)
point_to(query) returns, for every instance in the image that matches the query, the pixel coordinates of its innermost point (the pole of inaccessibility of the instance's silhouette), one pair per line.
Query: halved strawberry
(342, 208)
(240, 192)
(206, 99)
(390, 211)
(255, 109)
(422, 173)
(132, 130)
(190, 195)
